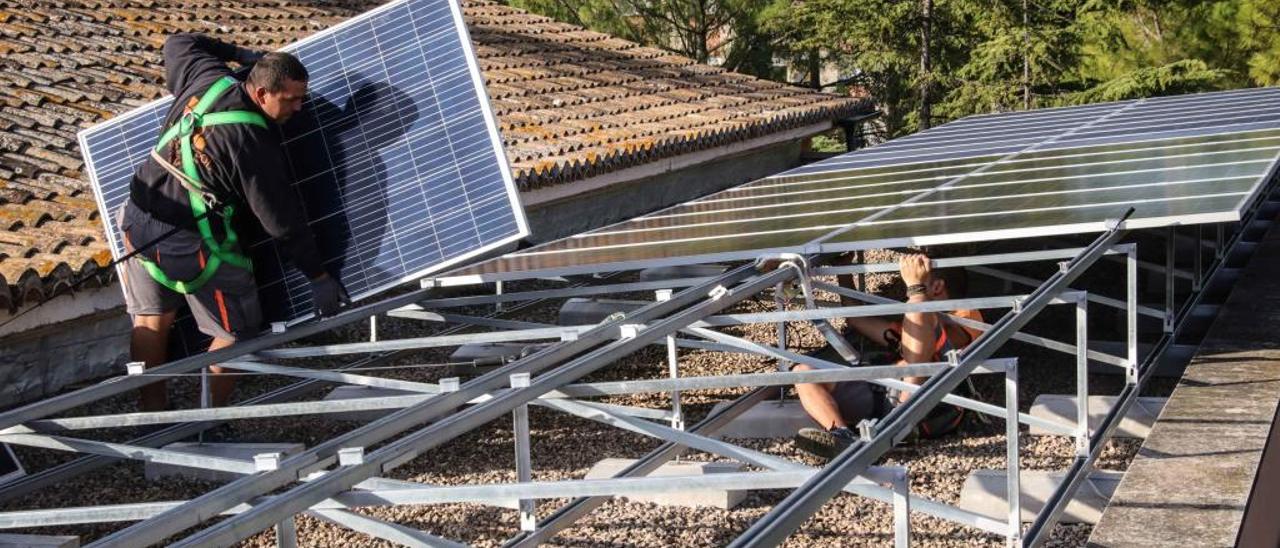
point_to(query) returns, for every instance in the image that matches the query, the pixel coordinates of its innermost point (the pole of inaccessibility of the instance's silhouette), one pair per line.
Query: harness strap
(943, 343)
(186, 287)
(200, 199)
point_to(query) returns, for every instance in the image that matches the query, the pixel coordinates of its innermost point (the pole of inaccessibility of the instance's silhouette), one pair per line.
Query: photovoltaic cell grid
(396, 156)
(1178, 160)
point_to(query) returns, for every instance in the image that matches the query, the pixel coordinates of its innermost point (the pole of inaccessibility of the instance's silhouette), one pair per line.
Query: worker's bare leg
(220, 384)
(149, 343)
(818, 402)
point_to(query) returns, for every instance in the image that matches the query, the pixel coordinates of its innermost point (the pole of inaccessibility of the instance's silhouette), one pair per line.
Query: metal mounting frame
(326, 480)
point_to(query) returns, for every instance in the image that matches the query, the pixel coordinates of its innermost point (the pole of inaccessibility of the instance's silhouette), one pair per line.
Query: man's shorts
(860, 400)
(226, 307)
(857, 400)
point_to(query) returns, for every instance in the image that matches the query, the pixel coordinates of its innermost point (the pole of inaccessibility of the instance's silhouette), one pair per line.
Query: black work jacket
(245, 165)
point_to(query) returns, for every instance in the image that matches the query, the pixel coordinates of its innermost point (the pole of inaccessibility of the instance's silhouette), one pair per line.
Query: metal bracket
(717, 292)
(450, 384)
(266, 462)
(953, 358)
(135, 368)
(520, 380)
(630, 330)
(867, 428)
(350, 456)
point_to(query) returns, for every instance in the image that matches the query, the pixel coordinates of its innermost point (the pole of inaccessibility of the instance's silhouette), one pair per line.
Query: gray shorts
(226, 307)
(857, 400)
(860, 400)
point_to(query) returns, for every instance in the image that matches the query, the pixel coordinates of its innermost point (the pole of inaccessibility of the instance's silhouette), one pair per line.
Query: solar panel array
(1178, 160)
(396, 156)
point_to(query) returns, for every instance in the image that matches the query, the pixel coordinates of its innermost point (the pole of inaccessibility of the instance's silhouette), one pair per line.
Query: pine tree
(1259, 25)
(1022, 56)
(928, 61)
(726, 31)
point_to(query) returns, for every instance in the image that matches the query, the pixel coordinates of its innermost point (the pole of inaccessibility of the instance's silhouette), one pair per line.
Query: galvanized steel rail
(789, 514)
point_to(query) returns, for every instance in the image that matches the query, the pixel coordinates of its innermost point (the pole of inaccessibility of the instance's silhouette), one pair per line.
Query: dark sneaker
(824, 443)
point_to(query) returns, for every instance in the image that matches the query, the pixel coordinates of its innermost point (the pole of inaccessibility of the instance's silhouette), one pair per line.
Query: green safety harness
(200, 199)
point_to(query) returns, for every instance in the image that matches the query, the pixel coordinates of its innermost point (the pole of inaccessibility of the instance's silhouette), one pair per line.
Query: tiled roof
(571, 103)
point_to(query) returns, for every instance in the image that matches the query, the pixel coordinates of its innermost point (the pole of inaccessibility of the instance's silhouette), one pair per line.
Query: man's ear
(258, 93)
(937, 286)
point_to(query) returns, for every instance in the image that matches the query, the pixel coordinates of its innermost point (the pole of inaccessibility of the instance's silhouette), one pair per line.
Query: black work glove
(328, 295)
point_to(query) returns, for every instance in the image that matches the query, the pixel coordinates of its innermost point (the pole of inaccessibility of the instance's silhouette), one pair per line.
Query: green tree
(1259, 25)
(1024, 54)
(927, 61)
(727, 30)
(599, 15)
(1186, 76)
(1226, 36)
(898, 50)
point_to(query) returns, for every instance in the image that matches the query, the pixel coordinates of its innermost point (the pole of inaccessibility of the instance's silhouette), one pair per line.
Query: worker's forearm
(223, 51)
(191, 58)
(918, 333)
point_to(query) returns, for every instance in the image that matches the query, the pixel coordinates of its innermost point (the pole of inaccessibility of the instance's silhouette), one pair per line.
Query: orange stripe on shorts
(222, 308)
(217, 297)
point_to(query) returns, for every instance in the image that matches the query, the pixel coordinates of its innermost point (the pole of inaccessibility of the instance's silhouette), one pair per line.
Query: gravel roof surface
(566, 447)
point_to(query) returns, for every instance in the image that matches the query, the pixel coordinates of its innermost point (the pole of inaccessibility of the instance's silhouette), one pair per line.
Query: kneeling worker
(219, 154)
(920, 337)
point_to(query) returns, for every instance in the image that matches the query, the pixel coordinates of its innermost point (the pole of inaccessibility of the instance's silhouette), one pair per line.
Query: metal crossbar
(320, 483)
(805, 500)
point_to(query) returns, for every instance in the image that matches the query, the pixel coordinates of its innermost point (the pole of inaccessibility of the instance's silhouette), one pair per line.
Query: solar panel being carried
(1178, 160)
(396, 155)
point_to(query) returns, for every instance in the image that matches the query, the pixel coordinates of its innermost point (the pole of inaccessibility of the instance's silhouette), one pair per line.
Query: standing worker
(217, 156)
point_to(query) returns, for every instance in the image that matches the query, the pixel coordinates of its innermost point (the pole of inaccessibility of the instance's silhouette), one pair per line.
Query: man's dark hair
(956, 279)
(273, 69)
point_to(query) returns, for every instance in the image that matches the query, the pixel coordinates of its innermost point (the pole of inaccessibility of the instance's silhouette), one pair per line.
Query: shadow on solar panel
(345, 184)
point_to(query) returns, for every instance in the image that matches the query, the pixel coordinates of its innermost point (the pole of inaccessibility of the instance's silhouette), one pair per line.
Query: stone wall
(40, 362)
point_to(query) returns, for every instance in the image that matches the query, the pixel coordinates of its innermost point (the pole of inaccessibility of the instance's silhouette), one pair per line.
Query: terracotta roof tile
(570, 102)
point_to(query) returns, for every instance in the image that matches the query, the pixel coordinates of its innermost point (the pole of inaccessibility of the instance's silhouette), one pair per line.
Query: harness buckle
(189, 122)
